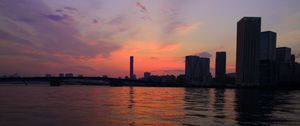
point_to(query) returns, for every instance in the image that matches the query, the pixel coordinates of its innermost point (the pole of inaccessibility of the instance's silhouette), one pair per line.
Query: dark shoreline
(154, 85)
(114, 82)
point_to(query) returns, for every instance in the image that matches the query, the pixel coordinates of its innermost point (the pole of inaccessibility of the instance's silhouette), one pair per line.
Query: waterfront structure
(131, 74)
(247, 51)
(197, 69)
(205, 76)
(220, 68)
(268, 45)
(283, 54)
(61, 75)
(48, 75)
(268, 70)
(284, 65)
(267, 63)
(192, 68)
(69, 75)
(147, 75)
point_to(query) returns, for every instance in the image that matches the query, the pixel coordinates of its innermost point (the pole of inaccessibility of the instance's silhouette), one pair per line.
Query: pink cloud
(184, 28)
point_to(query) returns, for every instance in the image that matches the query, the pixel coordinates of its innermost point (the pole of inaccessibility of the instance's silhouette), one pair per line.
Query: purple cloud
(95, 21)
(59, 10)
(34, 34)
(70, 8)
(56, 17)
(172, 13)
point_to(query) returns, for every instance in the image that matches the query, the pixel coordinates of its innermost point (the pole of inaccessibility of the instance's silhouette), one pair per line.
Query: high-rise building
(132, 76)
(192, 68)
(247, 51)
(205, 75)
(267, 69)
(284, 65)
(197, 69)
(267, 72)
(220, 65)
(268, 45)
(283, 54)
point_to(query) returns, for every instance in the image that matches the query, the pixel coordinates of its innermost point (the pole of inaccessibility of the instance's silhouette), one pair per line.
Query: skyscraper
(220, 65)
(267, 63)
(283, 54)
(285, 65)
(247, 51)
(205, 75)
(132, 76)
(197, 69)
(268, 45)
(192, 68)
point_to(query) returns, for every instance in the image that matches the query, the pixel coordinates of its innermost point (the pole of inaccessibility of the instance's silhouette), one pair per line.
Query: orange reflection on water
(168, 106)
(147, 106)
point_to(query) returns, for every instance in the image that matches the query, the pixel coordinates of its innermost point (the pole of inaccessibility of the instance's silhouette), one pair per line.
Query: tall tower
(220, 65)
(247, 51)
(132, 76)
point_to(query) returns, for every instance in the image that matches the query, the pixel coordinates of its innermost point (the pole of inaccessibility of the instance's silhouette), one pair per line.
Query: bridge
(57, 81)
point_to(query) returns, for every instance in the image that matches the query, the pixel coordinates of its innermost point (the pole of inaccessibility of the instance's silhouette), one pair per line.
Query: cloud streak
(144, 10)
(141, 7)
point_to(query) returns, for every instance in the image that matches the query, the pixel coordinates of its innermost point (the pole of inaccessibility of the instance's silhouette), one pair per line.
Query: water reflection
(153, 106)
(131, 105)
(219, 105)
(260, 107)
(134, 106)
(208, 107)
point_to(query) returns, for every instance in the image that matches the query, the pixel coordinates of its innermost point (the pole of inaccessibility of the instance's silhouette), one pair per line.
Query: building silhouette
(220, 71)
(147, 74)
(61, 75)
(285, 66)
(268, 45)
(267, 63)
(131, 74)
(268, 72)
(197, 70)
(48, 75)
(192, 68)
(69, 75)
(293, 58)
(283, 54)
(247, 51)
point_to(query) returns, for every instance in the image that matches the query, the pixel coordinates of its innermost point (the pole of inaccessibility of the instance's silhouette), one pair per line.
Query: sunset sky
(97, 37)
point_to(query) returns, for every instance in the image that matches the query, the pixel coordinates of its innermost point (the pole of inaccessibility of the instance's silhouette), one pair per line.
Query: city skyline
(58, 37)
